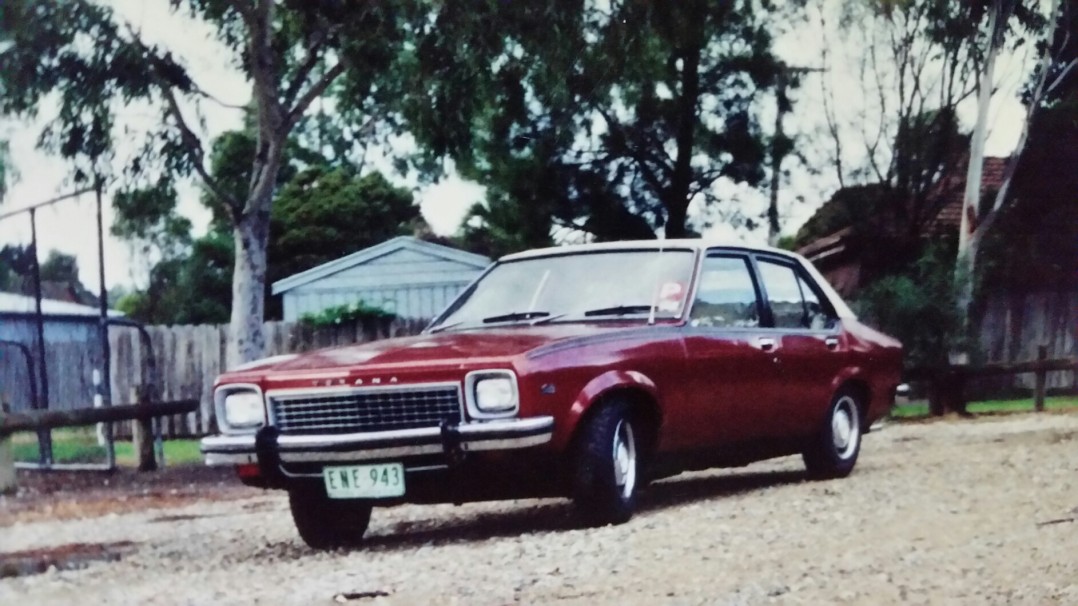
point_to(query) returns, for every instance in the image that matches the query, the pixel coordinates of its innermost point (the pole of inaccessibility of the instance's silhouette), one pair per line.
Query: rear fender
(858, 375)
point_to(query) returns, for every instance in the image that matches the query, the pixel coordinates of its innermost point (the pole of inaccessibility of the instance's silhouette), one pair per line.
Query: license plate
(364, 481)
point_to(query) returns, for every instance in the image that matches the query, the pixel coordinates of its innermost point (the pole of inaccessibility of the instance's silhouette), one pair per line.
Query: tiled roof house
(839, 260)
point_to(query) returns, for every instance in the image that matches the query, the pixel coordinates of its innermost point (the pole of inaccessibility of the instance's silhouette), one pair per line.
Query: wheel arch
(860, 388)
(633, 387)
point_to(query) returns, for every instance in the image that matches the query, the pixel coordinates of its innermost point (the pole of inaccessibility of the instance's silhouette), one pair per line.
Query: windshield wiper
(516, 315)
(618, 310)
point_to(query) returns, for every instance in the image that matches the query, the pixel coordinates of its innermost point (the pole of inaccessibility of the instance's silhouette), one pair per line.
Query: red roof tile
(954, 188)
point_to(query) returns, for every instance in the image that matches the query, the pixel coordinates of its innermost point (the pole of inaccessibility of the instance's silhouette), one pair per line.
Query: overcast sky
(70, 226)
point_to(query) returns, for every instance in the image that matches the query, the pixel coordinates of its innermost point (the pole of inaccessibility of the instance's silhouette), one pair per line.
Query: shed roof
(11, 303)
(374, 252)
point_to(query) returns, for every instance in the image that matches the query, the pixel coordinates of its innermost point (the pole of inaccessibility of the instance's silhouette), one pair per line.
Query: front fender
(594, 391)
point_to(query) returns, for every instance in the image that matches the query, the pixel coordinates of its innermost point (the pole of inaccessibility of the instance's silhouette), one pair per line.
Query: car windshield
(574, 287)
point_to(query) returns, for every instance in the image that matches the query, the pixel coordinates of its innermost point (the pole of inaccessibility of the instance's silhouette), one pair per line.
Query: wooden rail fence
(947, 385)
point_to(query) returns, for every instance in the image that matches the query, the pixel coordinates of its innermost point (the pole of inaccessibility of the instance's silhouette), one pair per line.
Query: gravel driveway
(979, 511)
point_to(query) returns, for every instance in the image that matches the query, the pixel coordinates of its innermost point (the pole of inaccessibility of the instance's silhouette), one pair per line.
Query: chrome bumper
(489, 435)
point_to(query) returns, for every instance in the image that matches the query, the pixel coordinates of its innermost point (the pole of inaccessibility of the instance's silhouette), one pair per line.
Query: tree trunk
(965, 268)
(1036, 93)
(246, 340)
(676, 213)
(676, 199)
(773, 227)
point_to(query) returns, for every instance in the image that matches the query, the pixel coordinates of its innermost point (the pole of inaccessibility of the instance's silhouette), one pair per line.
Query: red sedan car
(578, 371)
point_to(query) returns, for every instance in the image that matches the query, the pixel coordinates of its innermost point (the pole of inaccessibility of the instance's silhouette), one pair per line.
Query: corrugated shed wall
(409, 283)
(72, 350)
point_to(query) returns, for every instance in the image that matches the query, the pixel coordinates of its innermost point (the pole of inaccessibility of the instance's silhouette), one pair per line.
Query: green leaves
(148, 217)
(347, 314)
(74, 50)
(654, 101)
(325, 213)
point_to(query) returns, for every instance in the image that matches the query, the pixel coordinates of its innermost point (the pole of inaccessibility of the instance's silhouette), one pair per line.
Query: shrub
(347, 314)
(918, 308)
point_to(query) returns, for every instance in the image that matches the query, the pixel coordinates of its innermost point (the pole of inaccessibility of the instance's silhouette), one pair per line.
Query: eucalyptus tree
(586, 109)
(81, 62)
(1005, 24)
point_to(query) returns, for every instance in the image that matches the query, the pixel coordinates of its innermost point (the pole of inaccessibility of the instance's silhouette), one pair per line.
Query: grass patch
(79, 445)
(919, 408)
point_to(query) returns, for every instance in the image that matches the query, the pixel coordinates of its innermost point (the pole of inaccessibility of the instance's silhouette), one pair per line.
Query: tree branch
(316, 90)
(191, 141)
(634, 154)
(1062, 76)
(305, 69)
(193, 145)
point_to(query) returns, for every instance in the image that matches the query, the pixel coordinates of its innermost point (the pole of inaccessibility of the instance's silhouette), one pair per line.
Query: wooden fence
(189, 358)
(1013, 326)
(947, 387)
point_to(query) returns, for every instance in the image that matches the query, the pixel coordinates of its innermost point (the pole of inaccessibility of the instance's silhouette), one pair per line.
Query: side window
(726, 295)
(783, 294)
(816, 316)
(793, 302)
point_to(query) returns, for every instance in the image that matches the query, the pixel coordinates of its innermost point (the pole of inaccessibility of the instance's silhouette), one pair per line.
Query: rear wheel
(832, 453)
(607, 466)
(325, 523)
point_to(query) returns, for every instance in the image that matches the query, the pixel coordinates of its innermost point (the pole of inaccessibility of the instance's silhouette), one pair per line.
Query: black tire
(606, 466)
(325, 523)
(832, 452)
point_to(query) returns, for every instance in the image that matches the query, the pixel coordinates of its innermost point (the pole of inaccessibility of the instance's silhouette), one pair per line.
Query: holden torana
(577, 371)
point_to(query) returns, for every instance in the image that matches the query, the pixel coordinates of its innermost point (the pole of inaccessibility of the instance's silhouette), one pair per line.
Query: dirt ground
(952, 511)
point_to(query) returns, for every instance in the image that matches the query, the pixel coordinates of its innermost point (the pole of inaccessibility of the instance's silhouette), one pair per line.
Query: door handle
(766, 343)
(831, 343)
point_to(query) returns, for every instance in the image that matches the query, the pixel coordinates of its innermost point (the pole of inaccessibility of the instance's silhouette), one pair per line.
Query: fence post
(1041, 379)
(142, 432)
(7, 459)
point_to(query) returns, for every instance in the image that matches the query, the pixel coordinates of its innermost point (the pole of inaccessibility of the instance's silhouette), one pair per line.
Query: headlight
(492, 393)
(243, 410)
(495, 395)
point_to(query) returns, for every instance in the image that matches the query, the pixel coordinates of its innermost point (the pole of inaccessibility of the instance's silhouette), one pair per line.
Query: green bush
(917, 307)
(359, 311)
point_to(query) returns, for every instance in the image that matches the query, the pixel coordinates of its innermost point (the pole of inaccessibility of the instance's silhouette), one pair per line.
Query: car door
(809, 349)
(730, 370)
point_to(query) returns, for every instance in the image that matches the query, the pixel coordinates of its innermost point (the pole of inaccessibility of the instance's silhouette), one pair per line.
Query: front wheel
(606, 473)
(325, 523)
(833, 451)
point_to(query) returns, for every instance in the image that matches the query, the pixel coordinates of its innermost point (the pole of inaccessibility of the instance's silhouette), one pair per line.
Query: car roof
(676, 243)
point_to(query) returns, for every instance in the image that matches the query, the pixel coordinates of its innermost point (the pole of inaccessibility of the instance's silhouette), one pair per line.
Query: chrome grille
(361, 410)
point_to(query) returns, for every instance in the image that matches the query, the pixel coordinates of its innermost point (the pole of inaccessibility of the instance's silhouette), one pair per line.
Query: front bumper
(505, 434)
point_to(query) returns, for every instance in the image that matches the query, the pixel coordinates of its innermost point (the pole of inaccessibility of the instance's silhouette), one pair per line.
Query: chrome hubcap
(845, 427)
(624, 458)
